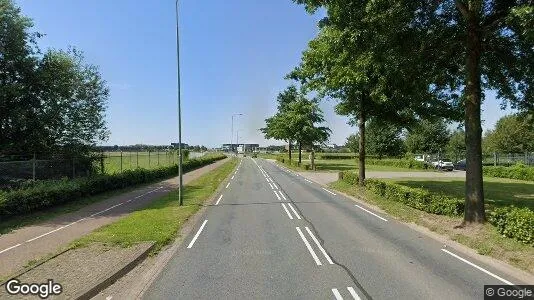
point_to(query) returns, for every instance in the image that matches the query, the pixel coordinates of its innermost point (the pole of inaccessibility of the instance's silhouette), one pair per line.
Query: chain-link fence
(18, 168)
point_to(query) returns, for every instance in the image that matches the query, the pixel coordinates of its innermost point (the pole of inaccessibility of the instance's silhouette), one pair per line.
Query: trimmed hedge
(518, 171)
(513, 222)
(54, 192)
(417, 198)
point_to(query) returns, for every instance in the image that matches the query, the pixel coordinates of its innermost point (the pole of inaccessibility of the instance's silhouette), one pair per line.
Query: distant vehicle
(460, 165)
(422, 158)
(443, 164)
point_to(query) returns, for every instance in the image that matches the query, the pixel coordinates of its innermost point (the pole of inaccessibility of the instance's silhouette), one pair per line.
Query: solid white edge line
(337, 294)
(196, 235)
(277, 196)
(353, 293)
(287, 211)
(45, 234)
(319, 246)
(271, 185)
(282, 194)
(275, 186)
(310, 249)
(372, 213)
(294, 211)
(12, 247)
(227, 185)
(477, 267)
(218, 200)
(233, 177)
(330, 192)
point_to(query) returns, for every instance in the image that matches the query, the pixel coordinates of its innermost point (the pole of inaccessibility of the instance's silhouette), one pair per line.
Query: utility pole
(232, 136)
(180, 189)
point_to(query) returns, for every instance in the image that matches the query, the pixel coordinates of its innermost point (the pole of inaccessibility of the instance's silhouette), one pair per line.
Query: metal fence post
(121, 161)
(149, 159)
(33, 167)
(102, 162)
(137, 162)
(157, 153)
(495, 159)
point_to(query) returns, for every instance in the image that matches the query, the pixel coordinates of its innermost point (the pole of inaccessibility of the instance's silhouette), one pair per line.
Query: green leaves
(296, 120)
(48, 102)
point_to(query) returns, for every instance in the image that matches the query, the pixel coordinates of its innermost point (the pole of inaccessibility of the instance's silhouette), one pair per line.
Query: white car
(443, 164)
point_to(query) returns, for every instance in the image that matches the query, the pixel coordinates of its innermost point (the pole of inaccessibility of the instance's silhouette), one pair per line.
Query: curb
(108, 279)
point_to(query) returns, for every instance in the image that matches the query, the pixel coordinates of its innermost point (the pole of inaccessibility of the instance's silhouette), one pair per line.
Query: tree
(462, 47)
(353, 142)
(296, 120)
(347, 62)
(428, 137)
(383, 139)
(512, 134)
(48, 102)
(456, 147)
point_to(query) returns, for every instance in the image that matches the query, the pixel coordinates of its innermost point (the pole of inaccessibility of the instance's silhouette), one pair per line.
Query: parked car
(443, 164)
(460, 165)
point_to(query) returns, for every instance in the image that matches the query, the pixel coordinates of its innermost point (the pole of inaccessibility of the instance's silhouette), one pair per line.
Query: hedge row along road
(33, 242)
(273, 234)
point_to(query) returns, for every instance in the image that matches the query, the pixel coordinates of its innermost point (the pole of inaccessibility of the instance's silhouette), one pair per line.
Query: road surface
(272, 234)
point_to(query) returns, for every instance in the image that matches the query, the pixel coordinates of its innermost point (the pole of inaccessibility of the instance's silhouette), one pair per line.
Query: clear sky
(234, 55)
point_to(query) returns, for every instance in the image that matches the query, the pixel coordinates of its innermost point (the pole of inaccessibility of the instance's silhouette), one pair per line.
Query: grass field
(162, 219)
(114, 163)
(498, 192)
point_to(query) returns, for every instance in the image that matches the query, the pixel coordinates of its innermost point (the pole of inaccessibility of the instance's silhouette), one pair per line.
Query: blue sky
(234, 55)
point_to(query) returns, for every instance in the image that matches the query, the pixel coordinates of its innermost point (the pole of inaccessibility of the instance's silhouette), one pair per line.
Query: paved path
(35, 241)
(328, 177)
(273, 234)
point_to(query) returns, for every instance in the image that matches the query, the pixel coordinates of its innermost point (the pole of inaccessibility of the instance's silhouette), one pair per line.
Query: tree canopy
(512, 134)
(427, 53)
(48, 102)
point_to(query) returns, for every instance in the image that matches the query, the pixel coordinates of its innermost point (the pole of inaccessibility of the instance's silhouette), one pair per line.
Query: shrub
(513, 222)
(349, 177)
(518, 171)
(54, 192)
(417, 198)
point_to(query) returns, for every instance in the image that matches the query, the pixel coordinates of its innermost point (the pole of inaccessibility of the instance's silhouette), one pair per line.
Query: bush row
(54, 192)
(513, 222)
(414, 197)
(518, 171)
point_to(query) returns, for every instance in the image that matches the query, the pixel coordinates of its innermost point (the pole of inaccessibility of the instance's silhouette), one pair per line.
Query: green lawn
(162, 219)
(498, 192)
(132, 160)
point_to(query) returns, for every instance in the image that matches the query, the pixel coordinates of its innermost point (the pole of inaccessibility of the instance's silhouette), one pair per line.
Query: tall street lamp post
(232, 137)
(180, 161)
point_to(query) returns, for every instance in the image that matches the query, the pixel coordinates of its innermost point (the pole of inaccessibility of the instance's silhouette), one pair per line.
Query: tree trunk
(300, 153)
(289, 147)
(313, 159)
(361, 155)
(474, 191)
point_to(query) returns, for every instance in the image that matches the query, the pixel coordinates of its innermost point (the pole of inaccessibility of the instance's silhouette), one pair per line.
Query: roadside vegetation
(45, 194)
(487, 239)
(162, 219)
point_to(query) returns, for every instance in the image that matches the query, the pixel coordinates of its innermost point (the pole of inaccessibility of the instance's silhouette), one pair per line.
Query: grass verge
(484, 238)
(162, 219)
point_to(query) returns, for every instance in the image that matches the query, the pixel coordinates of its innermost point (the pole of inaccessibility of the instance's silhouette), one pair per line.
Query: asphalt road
(273, 234)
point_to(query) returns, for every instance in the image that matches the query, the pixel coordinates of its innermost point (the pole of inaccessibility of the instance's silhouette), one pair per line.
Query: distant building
(234, 147)
(175, 145)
